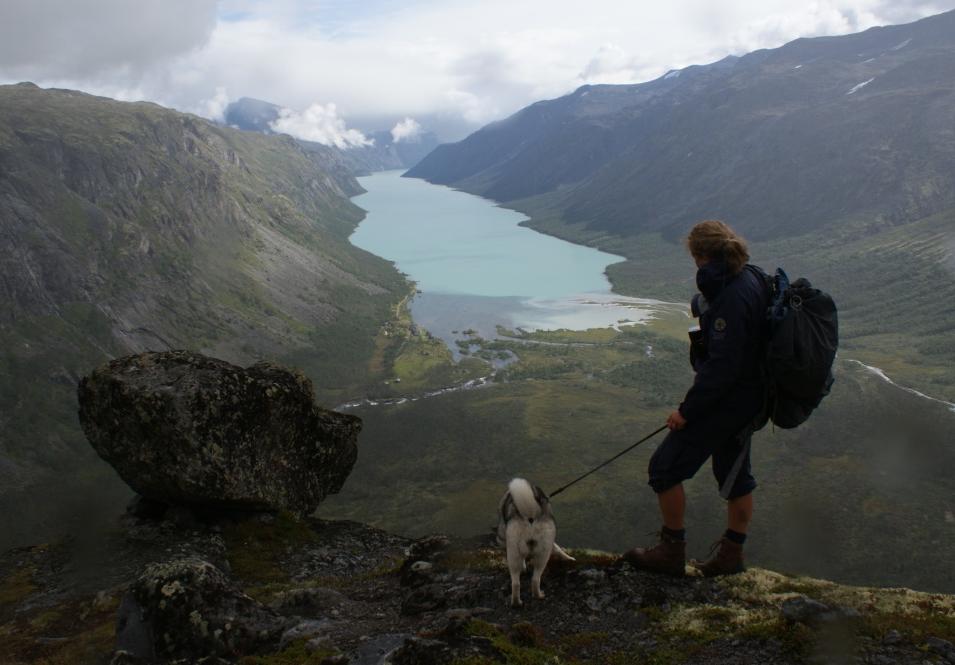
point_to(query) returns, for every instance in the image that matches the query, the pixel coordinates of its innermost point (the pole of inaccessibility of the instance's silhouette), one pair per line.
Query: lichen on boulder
(189, 607)
(183, 428)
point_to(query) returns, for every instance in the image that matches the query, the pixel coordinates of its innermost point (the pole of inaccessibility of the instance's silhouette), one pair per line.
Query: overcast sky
(342, 65)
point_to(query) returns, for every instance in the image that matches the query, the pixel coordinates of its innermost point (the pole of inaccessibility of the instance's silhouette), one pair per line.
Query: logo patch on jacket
(719, 325)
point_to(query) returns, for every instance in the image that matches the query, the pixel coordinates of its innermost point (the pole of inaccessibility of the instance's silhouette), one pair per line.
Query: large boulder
(183, 428)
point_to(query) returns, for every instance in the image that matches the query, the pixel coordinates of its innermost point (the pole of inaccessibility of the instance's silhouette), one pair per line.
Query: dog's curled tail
(523, 495)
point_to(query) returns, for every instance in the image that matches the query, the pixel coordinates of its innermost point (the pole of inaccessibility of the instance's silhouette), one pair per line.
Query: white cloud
(393, 59)
(98, 39)
(408, 129)
(214, 107)
(816, 18)
(612, 64)
(319, 123)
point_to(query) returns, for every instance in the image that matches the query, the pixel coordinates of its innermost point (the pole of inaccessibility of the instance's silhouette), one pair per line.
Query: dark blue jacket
(730, 377)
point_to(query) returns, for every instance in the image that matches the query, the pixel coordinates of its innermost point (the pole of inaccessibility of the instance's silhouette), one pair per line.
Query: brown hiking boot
(668, 556)
(726, 558)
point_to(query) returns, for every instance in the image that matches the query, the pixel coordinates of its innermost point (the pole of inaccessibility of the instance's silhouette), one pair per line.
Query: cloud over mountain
(611, 64)
(214, 107)
(319, 123)
(388, 59)
(408, 129)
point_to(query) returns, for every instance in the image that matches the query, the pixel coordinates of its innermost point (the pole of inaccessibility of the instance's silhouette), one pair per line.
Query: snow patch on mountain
(860, 86)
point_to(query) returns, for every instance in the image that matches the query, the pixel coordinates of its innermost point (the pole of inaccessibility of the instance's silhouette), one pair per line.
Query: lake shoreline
(477, 265)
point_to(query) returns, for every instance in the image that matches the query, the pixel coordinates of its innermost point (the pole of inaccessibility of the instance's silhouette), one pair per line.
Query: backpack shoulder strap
(766, 279)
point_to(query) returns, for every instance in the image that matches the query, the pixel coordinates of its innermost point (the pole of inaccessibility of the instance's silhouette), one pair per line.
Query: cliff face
(132, 204)
(129, 227)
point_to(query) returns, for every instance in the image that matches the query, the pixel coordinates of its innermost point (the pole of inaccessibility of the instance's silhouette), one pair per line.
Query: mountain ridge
(833, 156)
(762, 140)
(129, 227)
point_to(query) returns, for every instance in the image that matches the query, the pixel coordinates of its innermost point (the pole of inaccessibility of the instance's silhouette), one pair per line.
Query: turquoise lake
(476, 268)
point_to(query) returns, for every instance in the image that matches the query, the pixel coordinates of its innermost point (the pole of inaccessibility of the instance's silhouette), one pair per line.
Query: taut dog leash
(597, 468)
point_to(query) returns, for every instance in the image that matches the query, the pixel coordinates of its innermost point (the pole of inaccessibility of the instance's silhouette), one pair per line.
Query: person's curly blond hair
(713, 240)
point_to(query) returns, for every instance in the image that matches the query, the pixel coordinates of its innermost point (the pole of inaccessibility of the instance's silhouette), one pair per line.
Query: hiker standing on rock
(718, 415)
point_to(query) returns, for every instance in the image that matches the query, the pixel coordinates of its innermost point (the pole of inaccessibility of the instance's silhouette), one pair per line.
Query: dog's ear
(540, 496)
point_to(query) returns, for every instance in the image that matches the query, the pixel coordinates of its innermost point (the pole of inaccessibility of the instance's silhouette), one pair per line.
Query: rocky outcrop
(277, 590)
(183, 428)
(188, 607)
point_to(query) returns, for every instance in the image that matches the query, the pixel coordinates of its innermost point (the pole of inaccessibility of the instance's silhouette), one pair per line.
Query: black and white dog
(528, 529)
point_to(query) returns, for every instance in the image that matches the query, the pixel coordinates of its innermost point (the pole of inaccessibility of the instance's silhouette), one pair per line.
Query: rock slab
(183, 428)
(188, 607)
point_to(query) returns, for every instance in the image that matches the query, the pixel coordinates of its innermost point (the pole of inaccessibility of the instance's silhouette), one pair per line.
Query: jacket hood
(712, 277)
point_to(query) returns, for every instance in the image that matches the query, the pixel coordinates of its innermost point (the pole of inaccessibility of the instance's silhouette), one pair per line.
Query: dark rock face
(183, 428)
(190, 607)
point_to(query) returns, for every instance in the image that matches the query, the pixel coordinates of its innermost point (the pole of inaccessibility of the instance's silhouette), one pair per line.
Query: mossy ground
(917, 615)
(474, 559)
(524, 644)
(256, 549)
(70, 632)
(749, 614)
(294, 654)
(15, 587)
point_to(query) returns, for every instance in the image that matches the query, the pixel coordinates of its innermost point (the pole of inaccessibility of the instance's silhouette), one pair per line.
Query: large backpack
(802, 337)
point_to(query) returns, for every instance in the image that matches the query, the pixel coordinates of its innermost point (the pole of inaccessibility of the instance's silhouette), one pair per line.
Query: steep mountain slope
(835, 155)
(409, 151)
(126, 227)
(779, 141)
(382, 155)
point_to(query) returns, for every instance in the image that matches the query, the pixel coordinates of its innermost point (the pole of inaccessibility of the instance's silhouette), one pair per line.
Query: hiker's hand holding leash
(676, 421)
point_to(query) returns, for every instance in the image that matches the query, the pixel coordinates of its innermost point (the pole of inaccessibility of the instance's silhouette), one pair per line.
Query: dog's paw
(540, 595)
(516, 604)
